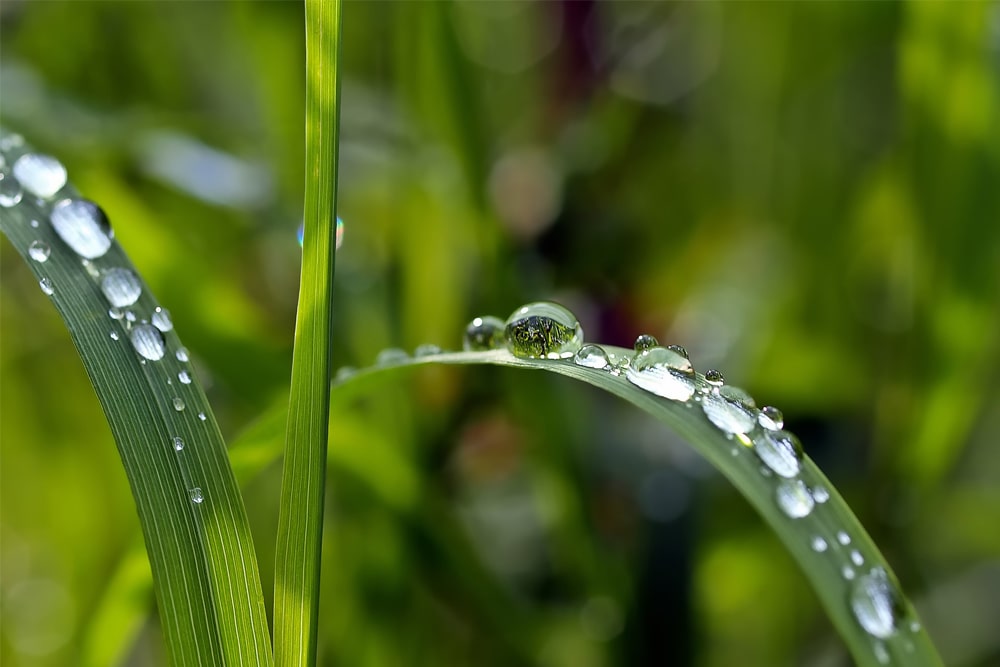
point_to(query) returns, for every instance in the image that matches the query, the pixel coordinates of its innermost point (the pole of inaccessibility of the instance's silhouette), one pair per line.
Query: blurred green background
(806, 196)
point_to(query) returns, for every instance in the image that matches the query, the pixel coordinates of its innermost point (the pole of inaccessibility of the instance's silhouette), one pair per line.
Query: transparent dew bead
(591, 356)
(39, 251)
(178, 404)
(737, 395)
(46, 285)
(120, 287)
(714, 377)
(41, 175)
(771, 418)
(148, 342)
(794, 498)
(178, 443)
(820, 494)
(818, 544)
(83, 226)
(543, 330)
(114, 335)
(196, 495)
(483, 333)
(202, 416)
(679, 349)
(182, 354)
(644, 342)
(843, 538)
(663, 372)
(780, 451)
(857, 558)
(161, 319)
(116, 313)
(426, 350)
(876, 603)
(184, 377)
(730, 416)
(10, 191)
(391, 356)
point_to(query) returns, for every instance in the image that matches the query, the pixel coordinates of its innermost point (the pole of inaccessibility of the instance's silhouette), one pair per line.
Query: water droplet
(915, 626)
(178, 404)
(881, 653)
(344, 373)
(161, 319)
(83, 226)
(91, 270)
(876, 603)
(543, 330)
(857, 558)
(148, 342)
(391, 356)
(483, 333)
(644, 342)
(730, 416)
(771, 418)
(780, 451)
(426, 350)
(114, 335)
(714, 378)
(184, 377)
(591, 356)
(34, 224)
(178, 443)
(843, 538)
(300, 235)
(196, 495)
(10, 191)
(38, 251)
(129, 316)
(202, 416)
(737, 395)
(10, 141)
(663, 372)
(46, 286)
(41, 175)
(121, 287)
(820, 494)
(848, 572)
(182, 354)
(818, 544)
(794, 498)
(115, 313)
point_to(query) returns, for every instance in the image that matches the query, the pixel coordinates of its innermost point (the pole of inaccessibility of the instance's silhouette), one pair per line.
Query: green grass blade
(300, 522)
(201, 554)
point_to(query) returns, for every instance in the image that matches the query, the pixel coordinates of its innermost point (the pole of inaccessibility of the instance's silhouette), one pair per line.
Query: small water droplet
(483, 333)
(915, 626)
(857, 558)
(41, 175)
(843, 538)
(83, 226)
(38, 251)
(184, 377)
(818, 544)
(663, 372)
(543, 330)
(178, 404)
(114, 335)
(714, 378)
(178, 443)
(679, 349)
(196, 495)
(729, 416)
(202, 416)
(780, 451)
(115, 313)
(10, 191)
(34, 224)
(591, 356)
(794, 498)
(300, 234)
(847, 572)
(129, 316)
(344, 373)
(90, 268)
(881, 653)
(148, 342)
(46, 286)
(820, 494)
(121, 287)
(391, 356)
(426, 350)
(161, 319)
(644, 342)
(182, 354)
(876, 603)
(771, 418)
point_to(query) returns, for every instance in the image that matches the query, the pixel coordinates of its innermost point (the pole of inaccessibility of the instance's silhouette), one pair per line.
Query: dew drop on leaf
(876, 603)
(178, 404)
(591, 356)
(39, 251)
(10, 191)
(818, 544)
(794, 498)
(46, 286)
(148, 342)
(543, 330)
(184, 377)
(83, 226)
(182, 354)
(714, 378)
(426, 350)
(771, 418)
(161, 319)
(196, 495)
(121, 287)
(391, 356)
(644, 341)
(178, 443)
(41, 175)
(730, 416)
(483, 333)
(663, 372)
(780, 451)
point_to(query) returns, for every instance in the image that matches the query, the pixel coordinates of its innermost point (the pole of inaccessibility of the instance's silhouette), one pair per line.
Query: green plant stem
(300, 519)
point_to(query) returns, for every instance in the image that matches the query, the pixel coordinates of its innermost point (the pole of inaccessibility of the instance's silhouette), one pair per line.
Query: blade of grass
(201, 553)
(300, 519)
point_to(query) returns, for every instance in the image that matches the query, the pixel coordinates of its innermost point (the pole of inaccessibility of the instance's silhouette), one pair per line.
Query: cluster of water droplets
(84, 228)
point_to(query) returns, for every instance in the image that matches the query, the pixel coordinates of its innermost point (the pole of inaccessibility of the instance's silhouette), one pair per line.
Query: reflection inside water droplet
(543, 330)
(39, 251)
(10, 191)
(184, 377)
(121, 287)
(178, 443)
(83, 226)
(148, 342)
(591, 356)
(818, 544)
(794, 498)
(41, 175)
(46, 285)
(161, 319)
(771, 418)
(178, 404)
(876, 603)
(196, 495)
(644, 342)
(483, 333)
(780, 451)
(663, 372)
(729, 416)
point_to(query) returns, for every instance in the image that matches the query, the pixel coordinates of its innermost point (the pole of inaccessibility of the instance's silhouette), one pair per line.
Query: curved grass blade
(194, 524)
(300, 518)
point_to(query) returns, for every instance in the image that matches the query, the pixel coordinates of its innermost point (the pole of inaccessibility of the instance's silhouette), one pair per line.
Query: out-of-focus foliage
(805, 196)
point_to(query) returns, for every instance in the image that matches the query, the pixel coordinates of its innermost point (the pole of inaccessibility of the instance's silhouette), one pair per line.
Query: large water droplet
(83, 226)
(780, 451)
(663, 372)
(10, 191)
(178, 443)
(41, 175)
(391, 356)
(38, 251)
(121, 287)
(730, 416)
(771, 418)
(46, 286)
(591, 356)
(543, 330)
(644, 341)
(148, 342)
(876, 603)
(161, 319)
(196, 495)
(483, 333)
(794, 498)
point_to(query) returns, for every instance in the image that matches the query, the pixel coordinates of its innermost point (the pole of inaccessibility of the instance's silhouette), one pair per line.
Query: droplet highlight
(663, 372)
(391, 356)
(178, 443)
(543, 330)
(714, 378)
(182, 354)
(780, 451)
(644, 342)
(161, 319)
(818, 544)
(83, 226)
(820, 494)
(730, 416)
(591, 356)
(426, 350)
(39, 251)
(184, 377)
(794, 498)
(876, 603)
(178, 404)
(196, 495)
(771, 418)
(483, 333)
(148, 342)
(46, 285)
(121, 287)
(10, 191)
(41, 175)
